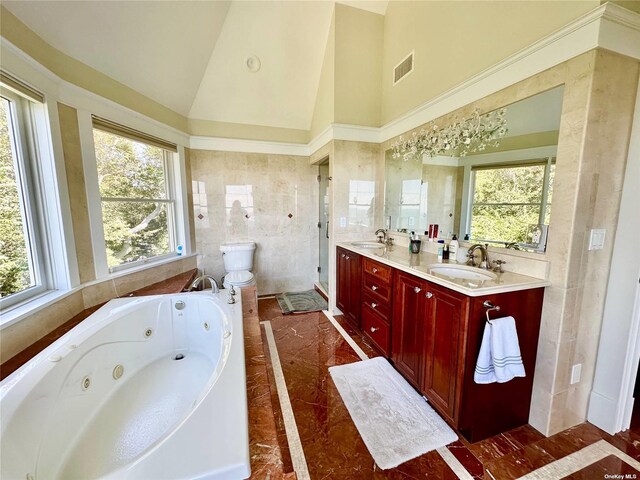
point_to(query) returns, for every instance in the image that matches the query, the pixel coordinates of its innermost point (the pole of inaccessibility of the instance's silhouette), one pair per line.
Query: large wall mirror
(500, 193)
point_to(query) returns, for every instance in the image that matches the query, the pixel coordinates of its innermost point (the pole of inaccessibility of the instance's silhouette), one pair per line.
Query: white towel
(499, 359)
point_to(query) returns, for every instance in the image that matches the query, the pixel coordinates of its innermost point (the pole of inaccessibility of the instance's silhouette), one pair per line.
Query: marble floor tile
(308, 344)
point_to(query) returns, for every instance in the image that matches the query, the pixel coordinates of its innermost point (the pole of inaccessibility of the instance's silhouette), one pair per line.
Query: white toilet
(238, 262)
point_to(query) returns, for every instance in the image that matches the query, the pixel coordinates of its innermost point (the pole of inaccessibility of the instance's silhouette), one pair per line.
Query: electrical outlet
(576, 373)
(343, 222)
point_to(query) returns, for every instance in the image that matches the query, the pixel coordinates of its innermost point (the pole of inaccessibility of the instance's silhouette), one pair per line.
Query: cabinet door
(342, 280)
(354, 287)
(445, 311)
(348, 285)
(406, 325)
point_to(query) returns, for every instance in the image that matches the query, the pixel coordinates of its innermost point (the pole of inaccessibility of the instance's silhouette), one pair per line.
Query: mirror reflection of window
(508, 199)
(410, 202)
(490, 194)
(361, 202)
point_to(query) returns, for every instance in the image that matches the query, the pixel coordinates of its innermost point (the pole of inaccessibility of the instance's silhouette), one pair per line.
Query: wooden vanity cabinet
(432, 334)
(348, 285)
(377, 284)
(443, 360)
(426, 329)
(436, 336)
(408, 322)
(489, 409)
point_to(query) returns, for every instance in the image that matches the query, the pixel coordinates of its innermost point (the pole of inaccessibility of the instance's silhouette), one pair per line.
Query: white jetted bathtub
(145, 388)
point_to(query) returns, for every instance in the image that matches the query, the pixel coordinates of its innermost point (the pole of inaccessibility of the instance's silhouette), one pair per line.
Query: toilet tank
(237, 256)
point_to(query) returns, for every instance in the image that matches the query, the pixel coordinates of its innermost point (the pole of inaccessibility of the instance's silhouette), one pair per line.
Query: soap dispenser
(453, 247)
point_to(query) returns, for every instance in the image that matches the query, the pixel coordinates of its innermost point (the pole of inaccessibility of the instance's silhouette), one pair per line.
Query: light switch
(576, 373)
(596, 238)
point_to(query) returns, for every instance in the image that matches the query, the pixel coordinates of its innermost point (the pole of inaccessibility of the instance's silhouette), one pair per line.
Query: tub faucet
(202, 279)
(484, 256)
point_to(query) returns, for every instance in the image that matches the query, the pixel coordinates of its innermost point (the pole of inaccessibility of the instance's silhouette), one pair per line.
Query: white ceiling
(190, 55)
(289, 38)
(159, 49)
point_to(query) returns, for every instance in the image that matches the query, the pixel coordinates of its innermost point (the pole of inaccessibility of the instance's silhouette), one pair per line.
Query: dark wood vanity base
(432, 335)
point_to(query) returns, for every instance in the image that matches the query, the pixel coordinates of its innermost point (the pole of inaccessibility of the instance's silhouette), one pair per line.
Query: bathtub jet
(110, 400)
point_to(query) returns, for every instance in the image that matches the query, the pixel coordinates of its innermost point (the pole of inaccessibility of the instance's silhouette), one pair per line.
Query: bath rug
(296, 302)
(394, 421)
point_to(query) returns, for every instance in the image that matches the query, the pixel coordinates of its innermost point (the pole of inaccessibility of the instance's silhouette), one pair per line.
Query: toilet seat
(239, 279)
(242, 277)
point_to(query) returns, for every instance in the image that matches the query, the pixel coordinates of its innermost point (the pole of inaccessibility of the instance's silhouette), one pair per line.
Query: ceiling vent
(404, 68)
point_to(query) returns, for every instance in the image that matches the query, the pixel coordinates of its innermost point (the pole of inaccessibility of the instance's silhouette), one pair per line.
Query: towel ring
(490, 306)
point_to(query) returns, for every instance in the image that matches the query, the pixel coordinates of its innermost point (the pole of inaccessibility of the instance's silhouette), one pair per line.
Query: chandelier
(471, 135)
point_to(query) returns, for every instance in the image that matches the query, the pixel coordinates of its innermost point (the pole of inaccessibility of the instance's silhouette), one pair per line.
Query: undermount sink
(368, 244)
(463, 272)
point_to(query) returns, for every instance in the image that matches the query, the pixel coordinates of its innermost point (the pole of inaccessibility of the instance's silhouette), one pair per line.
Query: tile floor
(330, 446)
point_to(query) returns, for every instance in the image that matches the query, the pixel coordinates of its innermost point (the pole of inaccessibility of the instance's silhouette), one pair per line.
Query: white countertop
(418, 264)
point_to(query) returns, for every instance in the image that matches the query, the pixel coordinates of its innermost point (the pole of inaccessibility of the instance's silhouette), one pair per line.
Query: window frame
(543, 204)
(25, 153)
(169, 166)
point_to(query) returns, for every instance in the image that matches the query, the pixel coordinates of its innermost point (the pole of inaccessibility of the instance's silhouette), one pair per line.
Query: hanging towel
(499, 359)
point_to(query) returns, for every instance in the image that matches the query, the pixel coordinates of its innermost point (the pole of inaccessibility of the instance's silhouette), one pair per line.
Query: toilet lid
(236, 278)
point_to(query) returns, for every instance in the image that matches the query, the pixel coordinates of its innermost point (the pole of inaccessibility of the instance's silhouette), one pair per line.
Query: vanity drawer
(377, 330)
(378, 306)
(374, 286)
(378, 270)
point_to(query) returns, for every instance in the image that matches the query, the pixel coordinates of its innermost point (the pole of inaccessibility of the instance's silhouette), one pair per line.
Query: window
(361, 202)
(410, 204)
(23, 270)
(135, 181)
(509, 199)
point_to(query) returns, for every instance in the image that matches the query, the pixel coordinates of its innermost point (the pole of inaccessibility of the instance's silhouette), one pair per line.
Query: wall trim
(248, 146)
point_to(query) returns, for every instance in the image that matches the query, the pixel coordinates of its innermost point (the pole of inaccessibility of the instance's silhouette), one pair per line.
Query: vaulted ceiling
(191, 56)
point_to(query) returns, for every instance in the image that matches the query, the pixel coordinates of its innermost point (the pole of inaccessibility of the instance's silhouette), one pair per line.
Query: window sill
(33, 305)
(142, 265)
(29, 307)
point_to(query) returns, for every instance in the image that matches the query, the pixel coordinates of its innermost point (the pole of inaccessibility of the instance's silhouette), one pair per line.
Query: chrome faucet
(484, 256)
(383, 237)
(202, 279)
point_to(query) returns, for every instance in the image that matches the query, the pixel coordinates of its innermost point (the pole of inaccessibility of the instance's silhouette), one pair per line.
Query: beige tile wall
(594, 134)
(614, 83)
(77, 191)
(187, 169)
(275, 187)
(352, 162)
(17, 337)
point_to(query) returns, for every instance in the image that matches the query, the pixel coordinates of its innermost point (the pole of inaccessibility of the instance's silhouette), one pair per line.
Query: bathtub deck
(174, 284)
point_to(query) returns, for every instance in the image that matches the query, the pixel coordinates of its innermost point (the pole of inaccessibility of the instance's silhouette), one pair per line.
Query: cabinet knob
(374, 270)
(374, 288)
(342, 256)
(347, 257)
(417, 289)
(374, 329)
(374, 305)
(429, 295)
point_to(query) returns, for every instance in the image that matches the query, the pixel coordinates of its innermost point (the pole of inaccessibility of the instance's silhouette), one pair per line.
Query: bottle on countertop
(453, 247)
(440, 250)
